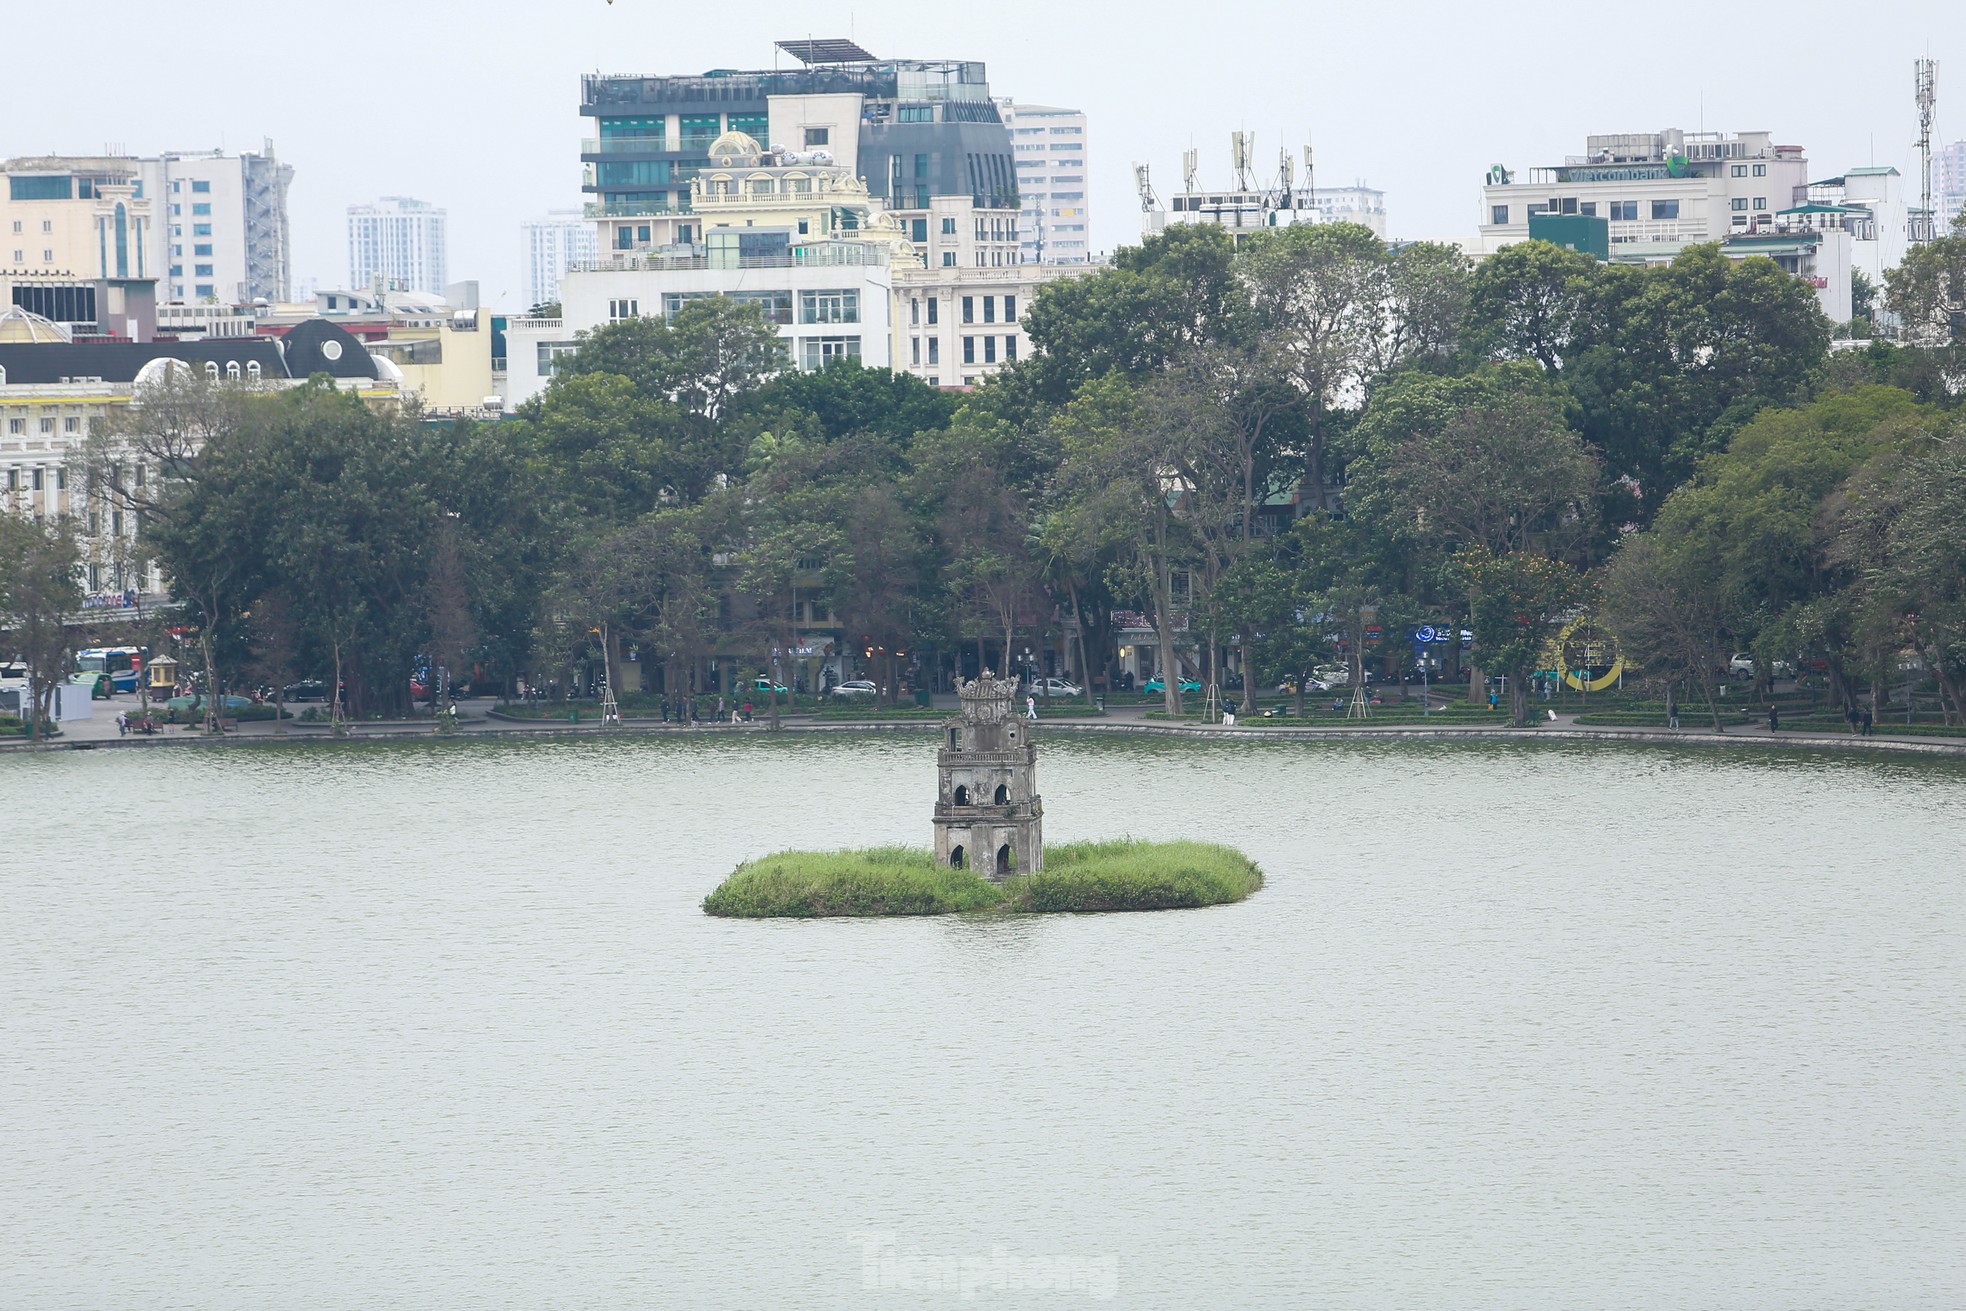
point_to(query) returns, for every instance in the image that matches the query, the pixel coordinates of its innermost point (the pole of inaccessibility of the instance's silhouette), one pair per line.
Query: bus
(123, 664)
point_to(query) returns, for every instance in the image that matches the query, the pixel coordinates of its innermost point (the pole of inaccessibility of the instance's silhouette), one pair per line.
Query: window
(1010, 348)
(1010, 309)
(47, 255)
(624, 309)
(842, 306)
(969, 350)
(918, 229)
(1761, 170)
(1498, 213)
(989, 350)
(935, 350)
(205, 290)
(948, 227)
(1588, 209)
(624, 237)
(17, 227)
(232, 370)
(200, 185)
(176, 185)
(177, 270)
(177, 252)
(201, 270)
(1740, 170)
(1665, 209)
(818, 136)
(1624, 210)
(932, 317)
(252, 372)
(549, 355)
(1761, 202)
(914, 311)
(948, 259)
(202, 248)
(1740, 202)
(14, 428)
(71, 424)
(969, 309)
(915, 351)
(816, 351)
(201, 209)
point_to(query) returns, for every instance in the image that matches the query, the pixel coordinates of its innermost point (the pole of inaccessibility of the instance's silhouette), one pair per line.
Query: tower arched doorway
(956, 857)
(1003, 794)
(1004, 860)
(962, 795)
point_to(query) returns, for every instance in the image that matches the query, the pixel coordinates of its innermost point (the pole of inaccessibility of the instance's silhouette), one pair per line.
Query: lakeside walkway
(478, 721)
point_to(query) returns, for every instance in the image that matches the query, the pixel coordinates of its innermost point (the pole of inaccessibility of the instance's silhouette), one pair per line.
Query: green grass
(1134, 874)
(875, 881)
(1126, 874)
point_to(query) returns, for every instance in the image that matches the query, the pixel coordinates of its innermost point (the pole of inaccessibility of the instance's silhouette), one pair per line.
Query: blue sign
(1426, 634)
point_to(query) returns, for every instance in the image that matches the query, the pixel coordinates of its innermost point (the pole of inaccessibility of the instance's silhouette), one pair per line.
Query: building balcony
(597, 209)
(624, 145)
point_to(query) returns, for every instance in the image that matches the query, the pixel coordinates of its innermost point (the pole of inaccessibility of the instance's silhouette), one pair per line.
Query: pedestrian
(1850, 716)
(747, 712)
(1867, 721)
(122, 723)
(1672, 710)
(1774, 718)
(1030, 707)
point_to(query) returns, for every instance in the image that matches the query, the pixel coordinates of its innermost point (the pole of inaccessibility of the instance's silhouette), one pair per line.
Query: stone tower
(988, 815)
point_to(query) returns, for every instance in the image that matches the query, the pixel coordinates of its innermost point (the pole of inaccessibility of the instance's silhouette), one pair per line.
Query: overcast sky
(474, 104)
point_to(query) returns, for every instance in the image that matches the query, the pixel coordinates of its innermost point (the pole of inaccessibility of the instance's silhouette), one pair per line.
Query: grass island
(1124, 874)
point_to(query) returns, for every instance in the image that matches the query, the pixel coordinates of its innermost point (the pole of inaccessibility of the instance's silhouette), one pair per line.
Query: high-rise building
(1949, 186)
(912, 130)
(1049, 147)
(222, 234)
(399, 241)
(555, 244)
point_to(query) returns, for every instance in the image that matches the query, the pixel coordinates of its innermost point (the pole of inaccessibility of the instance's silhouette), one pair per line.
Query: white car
(856, 687)
(1045, 687)
(1742, 665)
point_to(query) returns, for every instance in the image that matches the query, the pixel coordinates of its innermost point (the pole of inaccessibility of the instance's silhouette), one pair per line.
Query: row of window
(969, 306)
(841, 305)
(18, 427)
(987, 353)
(1618, 211)
(1741, 170)
(47, 225)
(20, 256)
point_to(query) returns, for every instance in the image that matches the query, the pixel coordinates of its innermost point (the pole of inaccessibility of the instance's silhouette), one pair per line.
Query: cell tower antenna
(1190, 169)
(1287, 197)
(1241, 146)
(1310, 171)
(1925, 76)
(1141, 182)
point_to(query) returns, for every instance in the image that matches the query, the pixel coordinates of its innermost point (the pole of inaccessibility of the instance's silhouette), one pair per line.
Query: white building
(554, 244)
(1867, 203)
(1255, 201)
(399, 241)
(1661, 191)
(1049, 148)
(1949, 186)
(223, 235)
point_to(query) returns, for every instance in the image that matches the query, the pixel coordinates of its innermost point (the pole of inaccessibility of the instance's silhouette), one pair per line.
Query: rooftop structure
(1255, 199)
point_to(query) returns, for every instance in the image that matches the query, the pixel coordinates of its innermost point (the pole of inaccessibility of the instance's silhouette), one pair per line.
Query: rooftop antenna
(1190, 169)
(1141, 183)
(1241, 146)
(1283, 178)
(1310, 173)
(1925, 75)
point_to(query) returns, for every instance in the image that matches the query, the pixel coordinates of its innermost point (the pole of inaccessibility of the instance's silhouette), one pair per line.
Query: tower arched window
(232, 370)
(1003, 794)
(211, 370)
(252, 370)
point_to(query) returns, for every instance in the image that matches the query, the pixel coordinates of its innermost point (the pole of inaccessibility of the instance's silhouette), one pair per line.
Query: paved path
(100, 731)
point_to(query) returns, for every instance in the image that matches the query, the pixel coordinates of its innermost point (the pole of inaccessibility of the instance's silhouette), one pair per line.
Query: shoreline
(505, 728)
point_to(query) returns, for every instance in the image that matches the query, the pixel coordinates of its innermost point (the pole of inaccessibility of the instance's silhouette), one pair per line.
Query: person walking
(1867, 721)
(1030, 707)
(122, 723)
(1774, 718)
(1672, 710)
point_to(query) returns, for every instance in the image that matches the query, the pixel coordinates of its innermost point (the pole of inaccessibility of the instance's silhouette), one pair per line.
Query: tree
(1517, 602)
(1528, 301)
(40, 588)
(1668, 606)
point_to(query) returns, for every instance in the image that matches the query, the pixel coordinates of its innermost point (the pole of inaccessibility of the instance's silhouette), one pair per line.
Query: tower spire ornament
(988, 815)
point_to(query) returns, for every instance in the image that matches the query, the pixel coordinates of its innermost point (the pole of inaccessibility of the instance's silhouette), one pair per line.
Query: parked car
(1155, 684)
(1742, 665)
(1055, 687)
(307, 689)
(856, 687)
(766, 686)
(99, 684)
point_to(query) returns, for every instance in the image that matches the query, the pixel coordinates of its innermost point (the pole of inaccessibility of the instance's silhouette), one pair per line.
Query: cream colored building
(75, 232)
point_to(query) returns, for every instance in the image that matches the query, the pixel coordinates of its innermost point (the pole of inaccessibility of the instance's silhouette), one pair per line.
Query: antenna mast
(1925, 72)
(1241, 145)
(1146, 189)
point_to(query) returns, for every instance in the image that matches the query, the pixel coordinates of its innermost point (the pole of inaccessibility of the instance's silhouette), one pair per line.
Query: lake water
(442, 1025)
